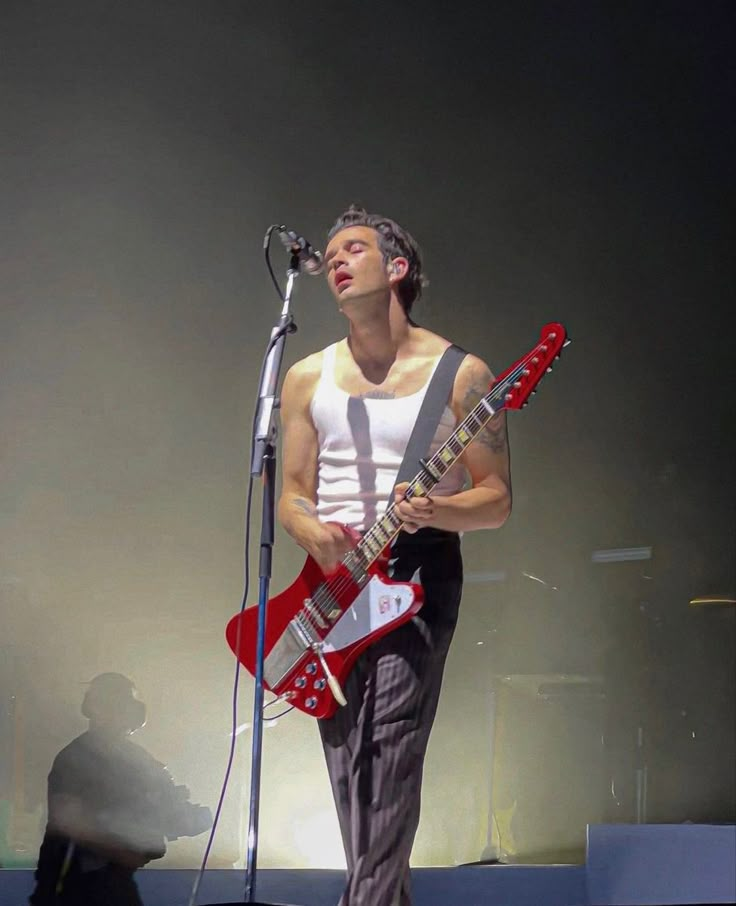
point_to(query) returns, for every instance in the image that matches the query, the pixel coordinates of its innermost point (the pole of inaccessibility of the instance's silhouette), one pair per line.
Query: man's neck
(375, 338)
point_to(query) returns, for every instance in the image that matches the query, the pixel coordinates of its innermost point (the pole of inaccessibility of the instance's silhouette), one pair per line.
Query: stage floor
(500, 885)
(626, 865)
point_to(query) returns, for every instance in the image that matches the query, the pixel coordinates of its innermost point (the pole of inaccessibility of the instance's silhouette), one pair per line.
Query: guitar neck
(511, 390)
(385, 529)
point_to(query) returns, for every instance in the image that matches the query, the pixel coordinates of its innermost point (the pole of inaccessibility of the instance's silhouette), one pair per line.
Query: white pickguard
(377, 605)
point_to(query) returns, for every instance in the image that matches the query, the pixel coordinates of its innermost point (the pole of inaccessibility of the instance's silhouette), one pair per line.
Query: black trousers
(375, 745)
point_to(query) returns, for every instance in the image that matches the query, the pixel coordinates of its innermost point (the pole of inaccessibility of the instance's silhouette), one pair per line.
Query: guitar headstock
(512, 388)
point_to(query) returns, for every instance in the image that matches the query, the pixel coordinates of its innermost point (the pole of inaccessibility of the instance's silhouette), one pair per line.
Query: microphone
(310, 258)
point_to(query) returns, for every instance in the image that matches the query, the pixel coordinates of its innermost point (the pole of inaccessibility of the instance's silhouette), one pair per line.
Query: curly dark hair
(394, 242)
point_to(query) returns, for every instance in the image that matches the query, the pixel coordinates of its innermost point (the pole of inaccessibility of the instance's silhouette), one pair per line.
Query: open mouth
(342, 279)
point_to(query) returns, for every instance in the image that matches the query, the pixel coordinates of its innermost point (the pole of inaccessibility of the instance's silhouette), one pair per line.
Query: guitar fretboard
(385, 529)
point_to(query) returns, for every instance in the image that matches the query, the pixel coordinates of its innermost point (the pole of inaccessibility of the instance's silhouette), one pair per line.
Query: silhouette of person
(111, 806)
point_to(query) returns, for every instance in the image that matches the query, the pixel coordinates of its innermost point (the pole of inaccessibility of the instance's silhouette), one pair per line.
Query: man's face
(355, 265)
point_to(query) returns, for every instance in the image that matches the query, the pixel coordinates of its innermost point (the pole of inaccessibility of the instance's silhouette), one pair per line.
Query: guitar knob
(311, 702)
(311, 667)
(320, 684)
(300, 682)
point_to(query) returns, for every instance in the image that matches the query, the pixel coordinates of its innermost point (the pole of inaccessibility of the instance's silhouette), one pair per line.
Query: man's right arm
(325, 542)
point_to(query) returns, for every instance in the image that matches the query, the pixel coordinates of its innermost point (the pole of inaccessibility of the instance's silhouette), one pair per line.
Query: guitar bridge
(284, 656)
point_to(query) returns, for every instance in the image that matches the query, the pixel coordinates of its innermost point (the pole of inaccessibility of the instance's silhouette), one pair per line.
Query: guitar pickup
(314, 614)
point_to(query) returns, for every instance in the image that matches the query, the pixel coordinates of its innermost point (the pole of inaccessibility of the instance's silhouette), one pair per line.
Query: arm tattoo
(309, 508)
(493, 435)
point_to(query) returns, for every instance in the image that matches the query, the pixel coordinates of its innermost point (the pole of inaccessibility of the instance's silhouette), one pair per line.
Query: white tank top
(361, 447)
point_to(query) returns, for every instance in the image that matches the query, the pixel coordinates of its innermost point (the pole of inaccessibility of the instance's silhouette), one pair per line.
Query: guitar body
(296, 671)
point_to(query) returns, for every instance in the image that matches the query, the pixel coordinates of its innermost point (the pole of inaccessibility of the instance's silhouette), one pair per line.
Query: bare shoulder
(474, 368)
(428, 343)
(473, 380)
(473, 377)
(301, 379)
(307, 368)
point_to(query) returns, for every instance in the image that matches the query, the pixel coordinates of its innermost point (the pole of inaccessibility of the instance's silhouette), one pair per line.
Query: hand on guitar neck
(415, 512)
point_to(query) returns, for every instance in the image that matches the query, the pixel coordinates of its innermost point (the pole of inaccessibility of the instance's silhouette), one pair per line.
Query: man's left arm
(487, 503)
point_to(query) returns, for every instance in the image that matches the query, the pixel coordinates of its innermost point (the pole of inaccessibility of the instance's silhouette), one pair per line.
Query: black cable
(231, 754)
(286, 328)
(267, 253)
(280, 714)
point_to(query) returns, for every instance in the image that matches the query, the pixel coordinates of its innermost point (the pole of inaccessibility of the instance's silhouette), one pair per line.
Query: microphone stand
(263, 463)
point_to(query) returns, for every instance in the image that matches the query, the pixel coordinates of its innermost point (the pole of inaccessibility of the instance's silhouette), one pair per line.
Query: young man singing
(347, 415)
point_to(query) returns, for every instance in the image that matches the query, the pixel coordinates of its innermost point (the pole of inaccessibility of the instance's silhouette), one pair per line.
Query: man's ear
(398, 268)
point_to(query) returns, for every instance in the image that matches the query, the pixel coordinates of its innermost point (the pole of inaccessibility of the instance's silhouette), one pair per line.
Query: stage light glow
(316, 839)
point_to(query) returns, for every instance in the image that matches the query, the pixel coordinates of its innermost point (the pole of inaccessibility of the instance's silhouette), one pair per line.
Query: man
(347, 413)
(111, 806)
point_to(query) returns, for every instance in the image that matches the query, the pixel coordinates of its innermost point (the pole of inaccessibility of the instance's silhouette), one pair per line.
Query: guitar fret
(381, 540)
(418, 489)
(478, 423)
(356, 564)
(372, 544)
(393, 518)
(455, 445)
(380, 534)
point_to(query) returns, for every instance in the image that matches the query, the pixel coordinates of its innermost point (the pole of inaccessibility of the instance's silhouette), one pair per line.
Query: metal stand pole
(263, 463)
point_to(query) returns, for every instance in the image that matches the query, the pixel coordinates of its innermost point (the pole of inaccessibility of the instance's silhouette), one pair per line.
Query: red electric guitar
(317, 627)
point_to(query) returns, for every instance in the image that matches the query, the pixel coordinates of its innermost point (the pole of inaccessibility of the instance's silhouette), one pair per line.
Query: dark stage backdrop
(556, 161)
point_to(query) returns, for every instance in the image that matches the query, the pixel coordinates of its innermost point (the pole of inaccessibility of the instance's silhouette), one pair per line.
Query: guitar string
(326, 589)
(329, 589)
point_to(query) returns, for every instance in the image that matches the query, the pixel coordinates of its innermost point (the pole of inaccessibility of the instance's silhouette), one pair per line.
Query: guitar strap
(430, 413)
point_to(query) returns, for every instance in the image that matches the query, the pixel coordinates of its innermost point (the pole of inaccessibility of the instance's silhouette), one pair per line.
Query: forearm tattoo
(494, 435)
(306, 505)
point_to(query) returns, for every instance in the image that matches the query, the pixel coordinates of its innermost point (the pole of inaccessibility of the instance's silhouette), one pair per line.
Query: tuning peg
(549, 369)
